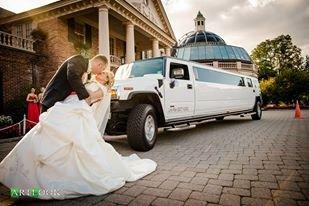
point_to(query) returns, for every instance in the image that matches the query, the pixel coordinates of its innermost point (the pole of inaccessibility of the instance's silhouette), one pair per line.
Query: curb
(8, 140)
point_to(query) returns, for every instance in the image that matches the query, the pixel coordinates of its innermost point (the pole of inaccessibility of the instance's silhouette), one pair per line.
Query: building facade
(210, 49)
(122, 30)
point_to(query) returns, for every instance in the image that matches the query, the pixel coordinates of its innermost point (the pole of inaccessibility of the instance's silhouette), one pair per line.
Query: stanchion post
(24, 124)
(19, 128)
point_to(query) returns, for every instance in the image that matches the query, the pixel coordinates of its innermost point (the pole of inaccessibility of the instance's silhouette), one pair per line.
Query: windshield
(139, 69)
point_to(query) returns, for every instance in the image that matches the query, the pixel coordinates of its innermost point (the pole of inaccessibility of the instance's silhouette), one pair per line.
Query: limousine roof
(196, 64)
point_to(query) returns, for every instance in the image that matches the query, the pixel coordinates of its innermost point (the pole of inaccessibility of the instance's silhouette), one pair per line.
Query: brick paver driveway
(233, 162)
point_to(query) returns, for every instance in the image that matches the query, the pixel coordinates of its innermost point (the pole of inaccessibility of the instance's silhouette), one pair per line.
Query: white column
(143, 54)
(149, 54)
(130, 50)
(167, 51)
(238, 65)
(104, 32)
(155, 48)
(215, 64)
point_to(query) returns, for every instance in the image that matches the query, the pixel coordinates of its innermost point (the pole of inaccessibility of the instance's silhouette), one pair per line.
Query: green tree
(286, 54)
(275, 55)
(283, 74)
(291, 85)
(263, 56)
(306, 64)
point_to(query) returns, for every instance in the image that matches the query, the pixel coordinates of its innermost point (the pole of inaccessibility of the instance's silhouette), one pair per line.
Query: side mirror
(178, 73)
(172, 83)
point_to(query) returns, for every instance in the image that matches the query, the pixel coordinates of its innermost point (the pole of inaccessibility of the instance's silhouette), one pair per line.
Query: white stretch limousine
(165, 91)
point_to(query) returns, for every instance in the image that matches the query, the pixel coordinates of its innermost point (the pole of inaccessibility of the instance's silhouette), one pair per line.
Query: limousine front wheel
(142, 127)
(258, 111)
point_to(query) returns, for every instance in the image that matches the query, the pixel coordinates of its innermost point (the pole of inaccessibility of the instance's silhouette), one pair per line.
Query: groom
(68, 79)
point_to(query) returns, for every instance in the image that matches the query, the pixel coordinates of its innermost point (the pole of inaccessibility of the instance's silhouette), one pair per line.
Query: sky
(242, 23)
(18, 6)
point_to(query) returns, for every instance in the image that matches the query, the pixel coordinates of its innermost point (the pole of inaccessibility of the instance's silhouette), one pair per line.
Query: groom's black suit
(67, 79)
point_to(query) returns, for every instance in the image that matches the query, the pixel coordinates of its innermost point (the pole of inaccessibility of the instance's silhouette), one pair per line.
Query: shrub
(267, 89)
(38, 34)
(5, 120)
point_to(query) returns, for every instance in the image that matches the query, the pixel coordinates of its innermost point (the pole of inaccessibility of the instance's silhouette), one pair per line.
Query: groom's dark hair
(101, 58)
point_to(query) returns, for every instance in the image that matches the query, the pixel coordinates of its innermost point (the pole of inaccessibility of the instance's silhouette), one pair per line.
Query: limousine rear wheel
(142, 127)
(258, 111)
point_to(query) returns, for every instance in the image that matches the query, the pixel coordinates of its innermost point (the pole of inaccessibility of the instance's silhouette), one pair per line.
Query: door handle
(189, 86)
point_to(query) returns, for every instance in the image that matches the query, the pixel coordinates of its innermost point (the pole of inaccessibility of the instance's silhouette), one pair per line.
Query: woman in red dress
(33, 109)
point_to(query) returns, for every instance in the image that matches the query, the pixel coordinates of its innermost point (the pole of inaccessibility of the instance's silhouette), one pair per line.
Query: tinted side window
(207, 75)
(249, 82)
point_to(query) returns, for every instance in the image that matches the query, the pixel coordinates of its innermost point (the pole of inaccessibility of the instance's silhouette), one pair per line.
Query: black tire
(219, 118)
(258, 111)
(136, 127)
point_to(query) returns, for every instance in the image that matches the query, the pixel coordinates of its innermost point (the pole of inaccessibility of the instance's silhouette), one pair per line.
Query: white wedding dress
(100, 109)
(65, 156)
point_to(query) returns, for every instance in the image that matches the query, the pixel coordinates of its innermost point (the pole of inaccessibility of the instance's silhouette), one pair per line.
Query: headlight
(114, 94)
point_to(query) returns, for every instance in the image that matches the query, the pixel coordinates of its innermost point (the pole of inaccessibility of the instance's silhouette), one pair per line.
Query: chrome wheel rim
(149, 128)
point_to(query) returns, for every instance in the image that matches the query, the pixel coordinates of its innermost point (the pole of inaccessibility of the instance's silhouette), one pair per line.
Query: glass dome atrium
(201, 37)
(209, 48)
(204, 53)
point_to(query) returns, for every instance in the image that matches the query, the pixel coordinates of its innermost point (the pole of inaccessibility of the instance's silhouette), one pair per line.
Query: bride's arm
(96, 95)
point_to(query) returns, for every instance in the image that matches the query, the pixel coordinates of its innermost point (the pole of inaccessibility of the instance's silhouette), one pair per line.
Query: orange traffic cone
(297, 111)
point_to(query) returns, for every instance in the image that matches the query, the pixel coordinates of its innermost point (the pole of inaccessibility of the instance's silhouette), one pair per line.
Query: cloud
(244, 23)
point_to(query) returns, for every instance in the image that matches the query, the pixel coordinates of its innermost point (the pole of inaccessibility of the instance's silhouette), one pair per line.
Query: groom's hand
(97, 100)
(88, 100)
(98, 94)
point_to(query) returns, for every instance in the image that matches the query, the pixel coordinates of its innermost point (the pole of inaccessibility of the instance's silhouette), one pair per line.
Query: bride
(65, 156)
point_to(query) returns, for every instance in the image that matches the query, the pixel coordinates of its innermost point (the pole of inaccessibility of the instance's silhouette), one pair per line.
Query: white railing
(22, 126)
(245, 66)
(232, 65)
(115, 61)
(209, 63)
(16, 42)
(227, 65)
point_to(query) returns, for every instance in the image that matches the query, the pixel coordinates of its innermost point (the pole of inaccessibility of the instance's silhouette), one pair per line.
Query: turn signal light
(114, 94)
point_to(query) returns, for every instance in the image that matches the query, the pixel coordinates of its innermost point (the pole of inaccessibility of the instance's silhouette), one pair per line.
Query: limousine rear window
(207, 75)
